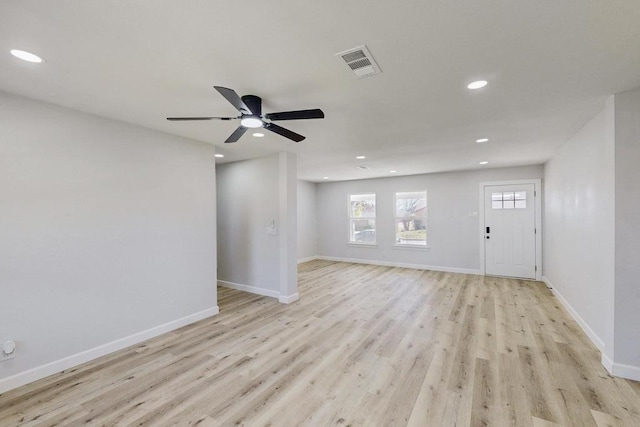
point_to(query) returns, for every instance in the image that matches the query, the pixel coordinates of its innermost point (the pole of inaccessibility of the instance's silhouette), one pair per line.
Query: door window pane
(509, 200)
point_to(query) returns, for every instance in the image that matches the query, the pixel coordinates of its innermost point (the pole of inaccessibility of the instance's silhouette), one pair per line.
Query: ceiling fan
(250, 107)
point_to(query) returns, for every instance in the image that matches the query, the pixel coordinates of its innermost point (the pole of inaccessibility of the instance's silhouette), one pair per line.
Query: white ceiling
(550, 65)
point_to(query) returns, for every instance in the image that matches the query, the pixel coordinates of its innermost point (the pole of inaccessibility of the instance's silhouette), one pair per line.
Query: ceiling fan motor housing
(250, 108)
(254, 103)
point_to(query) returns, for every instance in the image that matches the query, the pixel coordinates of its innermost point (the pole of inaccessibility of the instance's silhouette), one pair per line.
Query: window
(509, 200)
(411, 218)
(362, 218)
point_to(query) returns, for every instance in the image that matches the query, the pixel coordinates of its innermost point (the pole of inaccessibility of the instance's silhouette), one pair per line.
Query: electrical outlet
(8, 351)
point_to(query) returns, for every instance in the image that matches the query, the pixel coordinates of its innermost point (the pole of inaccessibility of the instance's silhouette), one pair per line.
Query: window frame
(350, 218)
(423, 218)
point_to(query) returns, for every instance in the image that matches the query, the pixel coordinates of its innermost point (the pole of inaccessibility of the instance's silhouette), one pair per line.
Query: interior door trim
(537, 185)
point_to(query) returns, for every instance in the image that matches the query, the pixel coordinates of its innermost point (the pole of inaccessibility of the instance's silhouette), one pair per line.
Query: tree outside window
(411, 218)
(362, 218)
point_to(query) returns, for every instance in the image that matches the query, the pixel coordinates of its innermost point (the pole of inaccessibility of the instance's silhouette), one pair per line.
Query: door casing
(537, 185)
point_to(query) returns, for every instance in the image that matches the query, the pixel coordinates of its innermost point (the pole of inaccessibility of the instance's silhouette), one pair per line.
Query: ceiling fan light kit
(250, 108)
(251, 122)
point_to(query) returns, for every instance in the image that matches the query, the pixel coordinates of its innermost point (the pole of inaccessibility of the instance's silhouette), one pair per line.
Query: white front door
(509, 230)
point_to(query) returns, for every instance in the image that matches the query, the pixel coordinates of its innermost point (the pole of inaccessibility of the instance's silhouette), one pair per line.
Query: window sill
(412, 247)
(363, 245)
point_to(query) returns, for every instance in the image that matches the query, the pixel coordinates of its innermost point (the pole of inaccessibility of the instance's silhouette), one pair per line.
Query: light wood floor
(364, 346)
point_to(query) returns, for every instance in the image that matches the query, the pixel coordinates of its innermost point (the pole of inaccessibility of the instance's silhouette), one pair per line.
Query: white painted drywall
(307, 220)
(257, 226)
(579, 224)
(452, 217)
(106, 230)
(627, 234)
(248, 201)
(592, 230)
(288, 228)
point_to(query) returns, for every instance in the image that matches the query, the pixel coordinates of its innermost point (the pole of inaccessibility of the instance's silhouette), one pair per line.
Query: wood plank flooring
(364, 346)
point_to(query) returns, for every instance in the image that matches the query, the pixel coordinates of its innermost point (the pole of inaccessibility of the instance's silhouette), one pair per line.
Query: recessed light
(477, 84)
(325, 177)
(218, 155)
(258, 134)
(484, 163)
(360, 157)
(393, 171)
(26, 56)
(481, 140)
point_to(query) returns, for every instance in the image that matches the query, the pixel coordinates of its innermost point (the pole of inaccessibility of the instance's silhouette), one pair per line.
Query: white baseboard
(311, 258)
(54, 367)
(250, 289)
(629, 372)
(607, 363)
(289, 299)
(626, 371)
(616, 369)
(403, 265)
(595, 339)
(285, 299)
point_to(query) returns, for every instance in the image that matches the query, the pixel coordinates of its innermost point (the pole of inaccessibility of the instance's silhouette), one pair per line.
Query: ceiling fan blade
(177, 119)
(231, 96)
(236, 134)
(296, 115)
(284, 132)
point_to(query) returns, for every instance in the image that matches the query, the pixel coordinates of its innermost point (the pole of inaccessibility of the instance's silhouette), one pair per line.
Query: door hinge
(535, 193)
(535, 231)
(536, 268)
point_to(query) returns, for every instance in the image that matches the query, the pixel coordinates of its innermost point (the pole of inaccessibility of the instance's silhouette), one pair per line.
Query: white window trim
(426, 221)
(411, 247)
(349, 218)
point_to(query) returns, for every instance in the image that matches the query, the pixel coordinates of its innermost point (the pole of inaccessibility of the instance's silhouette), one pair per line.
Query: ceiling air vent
(360, 61)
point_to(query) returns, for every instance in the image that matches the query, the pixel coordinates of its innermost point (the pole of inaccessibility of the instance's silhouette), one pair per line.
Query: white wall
(452, 222)
(307, 220)
(107, 230)
(252, 195)
(248, 200)
(592, 231)
(627, 248)
(579, 225)
(288, 226)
